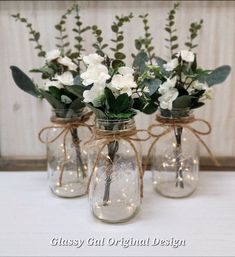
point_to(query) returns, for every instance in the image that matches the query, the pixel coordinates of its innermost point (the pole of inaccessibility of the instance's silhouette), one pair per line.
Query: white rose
(171, 65)
(66, 78)
(66, 61)
(125, 70)
(93, 93)
(93, 59)
(168, 84)
(65, 99)
(52, 55)
(123, 84)
(95, 74)
(167, 99)
(186, 55)
(50, 83)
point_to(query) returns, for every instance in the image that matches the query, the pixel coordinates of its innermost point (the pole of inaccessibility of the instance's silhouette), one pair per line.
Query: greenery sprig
(171, 29)
(119, 35)
(34, 35)
(79, 30)
(145, 43)
(62, 30)
(195, 27)
(98, 45)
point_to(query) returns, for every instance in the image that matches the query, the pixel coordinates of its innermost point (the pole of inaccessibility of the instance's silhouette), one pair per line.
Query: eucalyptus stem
(79, 162)
(112, 150)
(178, 150)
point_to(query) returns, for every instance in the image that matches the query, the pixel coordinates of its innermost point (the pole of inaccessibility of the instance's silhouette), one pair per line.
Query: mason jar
(66, 154)
(114, 190)
(175, 156)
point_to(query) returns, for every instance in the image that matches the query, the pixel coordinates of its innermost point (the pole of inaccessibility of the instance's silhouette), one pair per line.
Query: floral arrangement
(180, 82)
(60, 72)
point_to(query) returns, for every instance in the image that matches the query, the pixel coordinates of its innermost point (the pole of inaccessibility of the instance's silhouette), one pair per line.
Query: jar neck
(66, 114)
(115, 125)
(181, 113)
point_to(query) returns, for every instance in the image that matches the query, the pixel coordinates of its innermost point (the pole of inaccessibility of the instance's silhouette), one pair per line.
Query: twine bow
(110, 136)
(66, 126)
(183, 123)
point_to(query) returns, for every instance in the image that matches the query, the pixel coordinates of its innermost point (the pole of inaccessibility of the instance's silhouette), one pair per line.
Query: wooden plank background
(21, 116)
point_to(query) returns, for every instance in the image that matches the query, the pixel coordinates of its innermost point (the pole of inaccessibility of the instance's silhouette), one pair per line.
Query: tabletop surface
(32, 220)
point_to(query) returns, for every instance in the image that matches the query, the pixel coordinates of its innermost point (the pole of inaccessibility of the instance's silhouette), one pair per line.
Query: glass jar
(175, 156)
(66, 155)
(114, 191)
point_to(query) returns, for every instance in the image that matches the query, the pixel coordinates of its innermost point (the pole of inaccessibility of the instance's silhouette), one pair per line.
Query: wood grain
(22, 116)
(32, 164)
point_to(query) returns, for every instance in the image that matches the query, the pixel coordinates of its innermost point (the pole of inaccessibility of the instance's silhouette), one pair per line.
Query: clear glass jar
(175, 157)
(114, 191)
(66, 155)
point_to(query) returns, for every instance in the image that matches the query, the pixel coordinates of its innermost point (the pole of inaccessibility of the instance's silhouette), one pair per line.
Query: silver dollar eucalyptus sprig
(195, 27)
(34, 35)
(98, 45)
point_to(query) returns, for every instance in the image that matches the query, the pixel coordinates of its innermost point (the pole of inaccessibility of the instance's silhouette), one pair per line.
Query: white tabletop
(31, 216)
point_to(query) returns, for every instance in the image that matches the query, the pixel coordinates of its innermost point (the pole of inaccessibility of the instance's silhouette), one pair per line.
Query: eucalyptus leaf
(153, 85)
(24, 82)
(139, 61)
(217, 76)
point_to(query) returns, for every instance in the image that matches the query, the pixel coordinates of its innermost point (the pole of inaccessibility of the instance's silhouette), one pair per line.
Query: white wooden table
(31, 216)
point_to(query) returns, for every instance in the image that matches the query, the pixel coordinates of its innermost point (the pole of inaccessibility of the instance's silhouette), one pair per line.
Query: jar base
(114, 214)
(70, 190)
(169, 189)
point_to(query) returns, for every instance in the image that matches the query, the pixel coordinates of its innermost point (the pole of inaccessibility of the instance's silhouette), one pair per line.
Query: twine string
(110, 136)
(183, 123)
(65, 127)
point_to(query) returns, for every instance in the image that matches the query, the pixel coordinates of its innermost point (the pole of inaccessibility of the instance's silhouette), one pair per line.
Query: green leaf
(138, 44)
(150, 108)
(76, 90)
(54, 91)
(110, 98)
(55, 103)
(122, 103)
(98, 113)
(183, 101)
(37, 36)
(77, 81)
(217, 76)
(24, 82)
(77, 104)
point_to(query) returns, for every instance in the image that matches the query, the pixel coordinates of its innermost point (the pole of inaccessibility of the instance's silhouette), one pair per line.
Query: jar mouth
(176, 113)
(115, 125)
(67, 113)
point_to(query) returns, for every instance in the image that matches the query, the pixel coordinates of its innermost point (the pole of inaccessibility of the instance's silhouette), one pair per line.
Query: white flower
(168, 84)
(125, 70)
(186, 55)
(207, 95)
(95, 74)
(198, 86)
(52, 55)
(66, 78)
(50, 83)
(123, 83)
(93, 59)
(93, 93)
(65, 99)
(66, 61)
(171, 65)
(167, 99)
